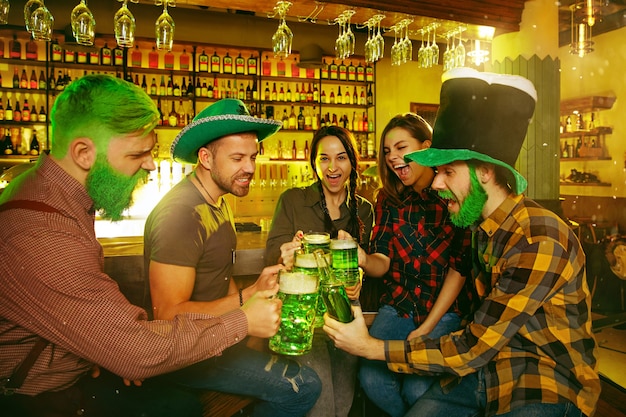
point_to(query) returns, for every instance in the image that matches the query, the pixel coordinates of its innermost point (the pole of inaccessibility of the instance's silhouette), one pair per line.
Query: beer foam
(297, 283)
(316, 238)
(342, 244)
(306, 260)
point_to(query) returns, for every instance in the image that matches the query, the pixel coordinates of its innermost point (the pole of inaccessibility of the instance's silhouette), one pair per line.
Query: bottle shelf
(601, 130)
(587, 184)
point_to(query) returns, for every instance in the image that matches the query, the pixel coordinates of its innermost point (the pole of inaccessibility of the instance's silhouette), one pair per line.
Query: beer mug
(305, 262)
(316, 240)
(299, 294)
(333, 292)
(345, 261)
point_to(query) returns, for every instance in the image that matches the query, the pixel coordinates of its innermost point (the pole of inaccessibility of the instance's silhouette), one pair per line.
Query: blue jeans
(337, 370)
(392, 392)
(468, 399)
(284, 387)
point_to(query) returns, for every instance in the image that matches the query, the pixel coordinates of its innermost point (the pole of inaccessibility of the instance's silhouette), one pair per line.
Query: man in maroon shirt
(58, 309)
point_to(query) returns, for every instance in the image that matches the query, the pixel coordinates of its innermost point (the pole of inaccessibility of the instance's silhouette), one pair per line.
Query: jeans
(468, 399)
(337, 370)
(283, 386)
(392, 392)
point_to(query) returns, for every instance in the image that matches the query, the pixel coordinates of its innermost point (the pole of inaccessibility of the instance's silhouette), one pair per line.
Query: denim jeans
(284, 387)
(337, 370)
(392, 392)
(468, 399)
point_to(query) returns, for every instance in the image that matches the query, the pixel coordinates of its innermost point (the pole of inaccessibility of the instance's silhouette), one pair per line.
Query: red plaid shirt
(422, 243)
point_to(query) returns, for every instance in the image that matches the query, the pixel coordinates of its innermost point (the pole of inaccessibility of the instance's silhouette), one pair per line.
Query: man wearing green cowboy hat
(528, 348)
(189, 246)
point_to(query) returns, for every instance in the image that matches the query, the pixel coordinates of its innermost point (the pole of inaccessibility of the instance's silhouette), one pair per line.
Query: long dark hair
(419, 129)
(355, 225)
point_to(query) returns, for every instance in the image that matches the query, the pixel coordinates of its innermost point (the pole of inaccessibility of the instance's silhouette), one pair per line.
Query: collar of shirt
(492, 223)
(56, 175)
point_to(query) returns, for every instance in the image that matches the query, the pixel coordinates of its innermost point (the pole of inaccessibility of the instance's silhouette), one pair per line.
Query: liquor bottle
(17, 113)
(274, 95)
(351, 72)
(343, 72)
(255, 92)
(568, 124)
(8, 144)
(33, 114)
(118, 56)
(360, 72)
(363, 150)
(281, 68)
(323, 97)
(228, 64)
(281, 93)
(1, 48)
(371, 147)
(56, 51)
(26, 111)
(285, 120)
(172, 119)
(170, 87)
(1, 110)
(248, 92)
(592, 123)
(153, 87)
(69, 56)
(364, 123)
(240, 64)
(16, 78)
(580, 123)
(8, 113)
(144, 84)
(216, 63)
(309, 94)
(41, 117)
(183, 60)
(369, 73)
(31, 49)
(198, 88)
(190, 89)
(315, 123)
(332, 71)
(15, 48)
(252, 65)
(324, 70)
(316, 94)
(206, 91)
(241, 93)
(94, 57)
(176, 91)
(339, 96)
(331, 99)
(41, 84)
(217, 94)
(168, 60)
(81, 56)
(153, 58)
(266, 67)
(162, 87)
(24, 79)
(296, 95)
(355, 98)
(106, 57)
(182, 118)
(308, 122)
(346, 97)
(302, 93)
(306, 144)
(334, 121)
(301, 119)
(293, 120)
(295, 69)
(370, 96)
(294, 150)
(288, 93)
(34, 145)
(203, 62)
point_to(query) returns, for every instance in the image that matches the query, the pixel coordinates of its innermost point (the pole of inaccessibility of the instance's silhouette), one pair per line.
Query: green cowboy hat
(481, 116)
(225, 117)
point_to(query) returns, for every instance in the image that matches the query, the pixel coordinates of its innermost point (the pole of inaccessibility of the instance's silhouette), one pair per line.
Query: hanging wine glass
(164, 29)
(42, 24)
(340, 42)
(283, 37)
(459, 52)
(29, 9)
(395, 48)
(380, 42)
(4, 11)
(420, 52)
(369, 45)
(448, 53)
(83, 24)
(124, 26)
(434, 47)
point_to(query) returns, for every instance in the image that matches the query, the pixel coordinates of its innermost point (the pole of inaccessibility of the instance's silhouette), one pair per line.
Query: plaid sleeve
(383, 229)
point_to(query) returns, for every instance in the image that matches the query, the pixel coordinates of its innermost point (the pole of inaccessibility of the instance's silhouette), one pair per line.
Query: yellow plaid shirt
(531, 333)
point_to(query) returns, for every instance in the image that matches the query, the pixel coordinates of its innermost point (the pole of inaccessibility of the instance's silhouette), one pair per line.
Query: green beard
(110, 190)
(471, 208)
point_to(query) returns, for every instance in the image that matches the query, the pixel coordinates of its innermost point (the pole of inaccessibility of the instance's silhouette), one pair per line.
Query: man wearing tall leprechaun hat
(528, 349)
(189, 247)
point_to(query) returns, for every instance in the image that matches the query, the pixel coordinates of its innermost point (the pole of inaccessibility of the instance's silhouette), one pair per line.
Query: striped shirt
(422, 244)
(52, 284)
(532, 332)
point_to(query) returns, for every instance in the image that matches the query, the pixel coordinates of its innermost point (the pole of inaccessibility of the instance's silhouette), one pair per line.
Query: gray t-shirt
(183, 229)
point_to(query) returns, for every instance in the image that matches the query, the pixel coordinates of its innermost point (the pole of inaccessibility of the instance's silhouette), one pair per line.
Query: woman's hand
(287, 249)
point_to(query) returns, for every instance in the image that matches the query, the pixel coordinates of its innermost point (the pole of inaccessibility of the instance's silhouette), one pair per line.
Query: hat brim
(432, 157)
(207, 129)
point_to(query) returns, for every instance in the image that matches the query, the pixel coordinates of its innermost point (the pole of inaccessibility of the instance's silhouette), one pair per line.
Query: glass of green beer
(345, 261)
(333, 292)
(299, 294)
(316, 240)
(305, 262)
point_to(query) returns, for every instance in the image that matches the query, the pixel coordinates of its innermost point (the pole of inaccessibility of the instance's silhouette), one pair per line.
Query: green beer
(316, 240)
(306, 263)
(345, 261)
(299, 294)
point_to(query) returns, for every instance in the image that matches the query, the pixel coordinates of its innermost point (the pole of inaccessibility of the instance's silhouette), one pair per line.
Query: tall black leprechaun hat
(481, 116)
